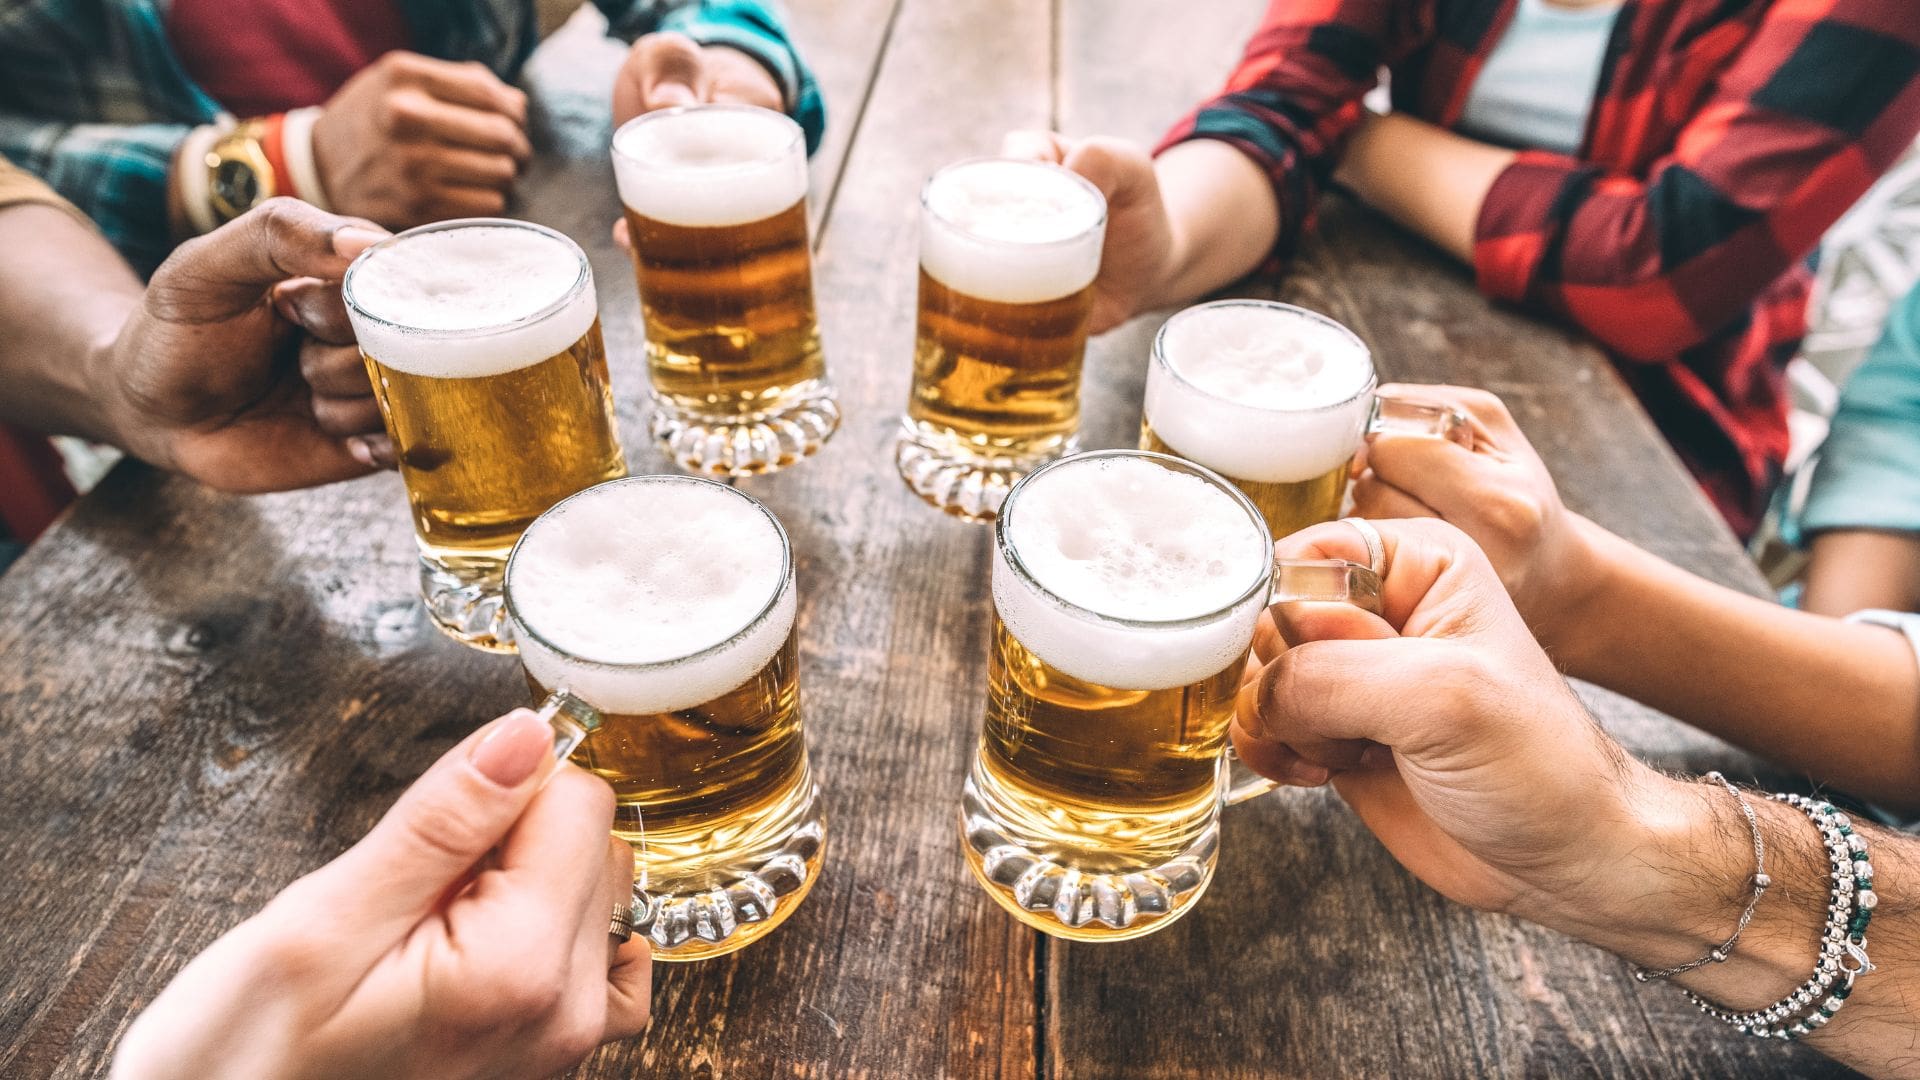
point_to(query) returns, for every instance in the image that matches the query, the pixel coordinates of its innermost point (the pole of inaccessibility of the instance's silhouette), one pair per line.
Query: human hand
(1499, 493)
(465, 936)
(237, 368)
(1137, 257)
(1448, 732)
(410, 139)
(668, 69)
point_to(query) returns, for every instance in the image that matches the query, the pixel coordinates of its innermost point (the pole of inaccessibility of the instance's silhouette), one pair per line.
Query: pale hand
(410, 139)
(1446, 729)
(239, 369)
(1499, 493)
(668, 69)
(465, 936)
(1137, 257)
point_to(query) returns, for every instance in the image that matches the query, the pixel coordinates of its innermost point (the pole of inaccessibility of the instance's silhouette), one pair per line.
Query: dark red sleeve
(1296, 94)
(1821, 101)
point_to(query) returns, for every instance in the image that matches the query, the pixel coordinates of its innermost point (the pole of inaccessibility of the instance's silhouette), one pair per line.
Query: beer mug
(1008, 254)
(1126, 589)
(716, 208)
(667, 605)
(482, 339)
(1277, 399)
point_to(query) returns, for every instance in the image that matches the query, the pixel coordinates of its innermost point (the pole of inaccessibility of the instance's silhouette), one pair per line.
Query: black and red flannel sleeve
(1822, 99)
(1296, 94)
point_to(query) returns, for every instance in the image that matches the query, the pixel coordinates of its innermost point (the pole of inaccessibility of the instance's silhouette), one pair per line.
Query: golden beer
(1111, 778)
(1288, 506)
(1008, 253)
(483, 344)
(715, 205)
(667, 604)
(1277, 399)
(1126, 588)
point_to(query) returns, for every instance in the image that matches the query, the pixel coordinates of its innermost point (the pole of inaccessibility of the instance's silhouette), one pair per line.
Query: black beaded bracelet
(1843, 943)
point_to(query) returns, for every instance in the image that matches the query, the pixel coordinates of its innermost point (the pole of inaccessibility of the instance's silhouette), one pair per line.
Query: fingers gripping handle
(1305, 581)
(572, 720)
(1407, 416)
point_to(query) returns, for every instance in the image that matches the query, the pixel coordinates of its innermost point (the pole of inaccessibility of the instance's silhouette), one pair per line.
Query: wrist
(117, 416)
(1669, 876)
(1573, 625)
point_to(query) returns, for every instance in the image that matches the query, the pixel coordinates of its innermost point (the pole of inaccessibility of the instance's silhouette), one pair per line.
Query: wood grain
(1317, 955)
(202, 697)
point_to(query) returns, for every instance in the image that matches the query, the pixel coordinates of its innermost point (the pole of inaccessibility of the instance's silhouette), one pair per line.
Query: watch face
(235, 184)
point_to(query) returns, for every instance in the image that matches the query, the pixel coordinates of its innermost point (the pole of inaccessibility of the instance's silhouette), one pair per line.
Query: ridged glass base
(717, 921)
(464, 599)
(960, 479)
(1080, 905)
(736, 445)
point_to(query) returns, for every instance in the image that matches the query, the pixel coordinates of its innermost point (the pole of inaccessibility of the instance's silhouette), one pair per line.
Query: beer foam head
(470, 298)
(710, 165)
(1014, 232)
(642, 595)
(1127, 537)
(1259, 391)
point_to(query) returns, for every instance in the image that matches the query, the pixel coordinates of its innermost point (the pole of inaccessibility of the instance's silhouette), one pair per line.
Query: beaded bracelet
(1844, 941)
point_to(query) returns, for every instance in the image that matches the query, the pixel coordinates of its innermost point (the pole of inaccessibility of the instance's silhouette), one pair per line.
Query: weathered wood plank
(1318, 955)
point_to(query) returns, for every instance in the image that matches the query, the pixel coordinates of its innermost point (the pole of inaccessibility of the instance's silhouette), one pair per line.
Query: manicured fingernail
(351, 240)
(1377, 757)
(512, 749)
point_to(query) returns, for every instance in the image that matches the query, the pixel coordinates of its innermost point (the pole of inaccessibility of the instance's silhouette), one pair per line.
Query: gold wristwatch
(239, 175)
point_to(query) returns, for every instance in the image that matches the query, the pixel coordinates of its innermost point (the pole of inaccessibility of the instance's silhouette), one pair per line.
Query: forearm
(1840, 701)
(1681, 892)
(1222, 214)
(1424, 177)
(64, 295)
(1863, 568)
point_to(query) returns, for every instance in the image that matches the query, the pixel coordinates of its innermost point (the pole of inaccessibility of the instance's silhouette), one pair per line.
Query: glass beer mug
(1126, 589)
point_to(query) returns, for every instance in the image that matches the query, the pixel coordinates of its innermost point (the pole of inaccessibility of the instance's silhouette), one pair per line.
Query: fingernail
(351, 240)
(1377, 757)
(512, 749)
(670, 94)
(361, 452)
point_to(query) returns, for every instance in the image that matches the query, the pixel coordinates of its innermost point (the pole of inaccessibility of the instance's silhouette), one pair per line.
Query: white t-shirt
(1536, 87)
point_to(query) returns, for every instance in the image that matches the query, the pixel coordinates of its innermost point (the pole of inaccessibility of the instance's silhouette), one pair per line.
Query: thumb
(432, 838)
(226, 270)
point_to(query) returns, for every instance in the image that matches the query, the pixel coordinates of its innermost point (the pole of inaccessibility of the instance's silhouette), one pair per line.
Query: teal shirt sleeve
(1868, 474)
(755, 27)
(115, 173)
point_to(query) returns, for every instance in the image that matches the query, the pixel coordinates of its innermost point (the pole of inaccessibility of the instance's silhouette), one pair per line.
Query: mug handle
(1320, 581)
(1411, 416)
(571, 719)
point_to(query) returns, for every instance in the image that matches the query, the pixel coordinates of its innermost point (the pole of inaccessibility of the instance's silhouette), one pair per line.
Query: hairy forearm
(1680, 894)
(1427, 178)
(1223, 217)
(1863, 568)
(64, 295)
(1839, 701)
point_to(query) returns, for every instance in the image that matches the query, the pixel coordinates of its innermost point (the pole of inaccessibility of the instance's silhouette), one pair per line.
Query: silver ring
(622, 927)
(1376, 547)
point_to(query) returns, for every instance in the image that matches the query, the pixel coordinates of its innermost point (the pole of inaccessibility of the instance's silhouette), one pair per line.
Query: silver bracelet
(1721, 951)
(1843, 944)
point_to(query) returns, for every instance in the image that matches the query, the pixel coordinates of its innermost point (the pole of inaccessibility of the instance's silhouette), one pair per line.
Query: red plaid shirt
(1725, 137)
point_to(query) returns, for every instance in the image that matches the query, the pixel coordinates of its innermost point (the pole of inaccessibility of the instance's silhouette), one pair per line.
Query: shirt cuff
(1517, 222)
(196, 188)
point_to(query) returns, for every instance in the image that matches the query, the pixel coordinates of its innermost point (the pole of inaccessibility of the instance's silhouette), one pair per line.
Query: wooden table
(201, 696)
